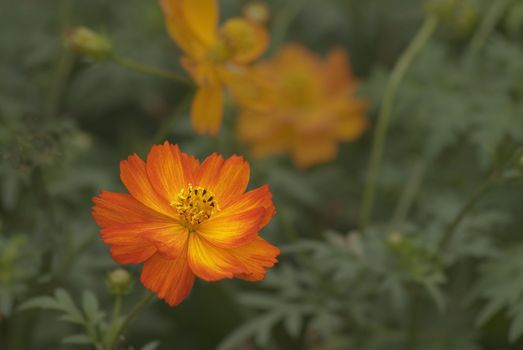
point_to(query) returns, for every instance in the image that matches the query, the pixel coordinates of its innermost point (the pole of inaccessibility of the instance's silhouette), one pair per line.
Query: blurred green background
(66, 122)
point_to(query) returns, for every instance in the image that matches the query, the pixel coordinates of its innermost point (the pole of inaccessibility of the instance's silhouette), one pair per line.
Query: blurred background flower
(303, 105)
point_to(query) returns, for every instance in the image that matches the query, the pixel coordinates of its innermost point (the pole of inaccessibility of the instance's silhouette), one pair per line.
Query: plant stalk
(149, 70)
(136, 308)
(379, 139)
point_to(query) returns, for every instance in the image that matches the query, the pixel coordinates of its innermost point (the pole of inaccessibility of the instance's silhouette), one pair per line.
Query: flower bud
(442, 9)
(256, 11)
(89, 43)
(394, 239)
(459, 15)
(119, 281)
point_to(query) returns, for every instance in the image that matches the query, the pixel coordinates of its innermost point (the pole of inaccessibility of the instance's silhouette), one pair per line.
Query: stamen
(195, 205)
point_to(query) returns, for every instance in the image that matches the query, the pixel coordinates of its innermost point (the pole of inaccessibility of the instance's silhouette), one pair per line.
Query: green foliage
(89, 315)
(502, 287)
(454, 146)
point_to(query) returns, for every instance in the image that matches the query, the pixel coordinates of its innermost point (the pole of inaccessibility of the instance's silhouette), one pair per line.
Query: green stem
(114, 320)
(136, 308)
(283, 20)
(488, 25)
(378, 142)
(413, 324)
(149, 70)
(469, 204)
(63, 67)
(164, 129)
(408, 195)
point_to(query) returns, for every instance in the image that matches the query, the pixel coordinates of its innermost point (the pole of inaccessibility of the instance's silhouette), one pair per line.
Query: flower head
(212, 53)
(183, 219)
(302, 105)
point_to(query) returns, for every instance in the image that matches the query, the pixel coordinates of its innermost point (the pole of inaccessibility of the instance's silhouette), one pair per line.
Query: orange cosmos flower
(184, 219)
(302, 105)
(212, 53)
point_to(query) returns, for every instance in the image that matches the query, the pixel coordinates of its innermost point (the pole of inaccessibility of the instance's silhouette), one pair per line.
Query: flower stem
(487, 25)
(168, 125)
(136, 308)
(378, 142)
(409, 193)
(149, 70)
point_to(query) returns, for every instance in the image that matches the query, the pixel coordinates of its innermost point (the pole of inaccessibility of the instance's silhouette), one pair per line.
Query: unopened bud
(89, 43)
(394, 239)
(119, 281)
(442, 9)
(257, 11)
(459, 15)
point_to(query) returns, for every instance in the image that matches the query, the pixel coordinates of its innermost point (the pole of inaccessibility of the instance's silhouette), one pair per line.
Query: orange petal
(207, 109)
(168, 240)
(202, 17)
(120, 208)
(307, 152)
(337, 70)
(256, 257)
(230, 229)
(226, 179)
(170, 279)
(208, 173)
(209, 262)
(192, 24)
(191, 162)
(134, 176)
(167, 171)
(127, 242)
(257, 198)
(353, 121)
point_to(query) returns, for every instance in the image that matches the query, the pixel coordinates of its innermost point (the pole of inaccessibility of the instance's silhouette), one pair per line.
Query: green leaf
(91, 308)
(516, 327)
(293, 322)
(80, 339)
(42, 302)
(256, 326)
(151, 346)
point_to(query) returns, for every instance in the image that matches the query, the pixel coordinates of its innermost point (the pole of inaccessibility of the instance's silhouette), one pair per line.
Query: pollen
(195, 205)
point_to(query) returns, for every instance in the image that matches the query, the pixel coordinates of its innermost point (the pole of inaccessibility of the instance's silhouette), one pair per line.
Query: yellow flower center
(195, 205)
(298, 88)
(243, 40)
(219, 52)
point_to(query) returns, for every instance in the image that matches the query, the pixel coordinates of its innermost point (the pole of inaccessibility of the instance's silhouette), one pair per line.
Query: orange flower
(212, 53)
(302, 105)
(184, 219)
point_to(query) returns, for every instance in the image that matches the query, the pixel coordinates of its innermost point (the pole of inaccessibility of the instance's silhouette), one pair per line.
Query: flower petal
(257, 198)
(230, 229)
(134, 176)
(169, 241)
(120, 208)
(167, 170)
(127, 243)
(191, 24)
(209, 262)
(313, 150)
(202, 17)
(191, 162)
(170, 279)
(226, 179)
(256, 256)
(207, 109)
